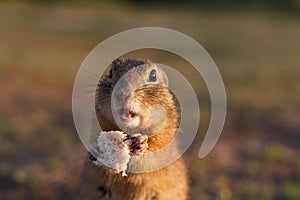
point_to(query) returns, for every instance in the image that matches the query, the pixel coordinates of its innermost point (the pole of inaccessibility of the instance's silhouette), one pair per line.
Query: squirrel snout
(122, 92)
(122, 96)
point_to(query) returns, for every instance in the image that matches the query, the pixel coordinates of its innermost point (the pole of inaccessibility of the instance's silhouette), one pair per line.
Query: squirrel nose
(122, 97)
(122, 91)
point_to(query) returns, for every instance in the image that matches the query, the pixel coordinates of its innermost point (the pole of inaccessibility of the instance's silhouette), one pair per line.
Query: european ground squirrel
(142, 86)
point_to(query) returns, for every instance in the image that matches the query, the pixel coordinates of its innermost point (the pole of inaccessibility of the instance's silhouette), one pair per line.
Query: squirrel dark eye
(152, 76)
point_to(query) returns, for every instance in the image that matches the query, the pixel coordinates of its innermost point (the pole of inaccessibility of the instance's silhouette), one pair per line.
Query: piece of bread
(111, 151)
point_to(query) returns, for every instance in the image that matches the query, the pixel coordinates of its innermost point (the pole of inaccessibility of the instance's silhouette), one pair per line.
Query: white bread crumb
(111, 151)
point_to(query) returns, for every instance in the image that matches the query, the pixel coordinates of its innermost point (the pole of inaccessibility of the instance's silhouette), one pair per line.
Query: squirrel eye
(152, 76)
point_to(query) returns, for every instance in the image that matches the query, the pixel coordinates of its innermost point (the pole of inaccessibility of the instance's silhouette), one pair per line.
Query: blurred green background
(255, 44)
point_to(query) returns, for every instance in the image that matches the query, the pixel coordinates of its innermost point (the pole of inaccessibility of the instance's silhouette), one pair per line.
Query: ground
(257, 52)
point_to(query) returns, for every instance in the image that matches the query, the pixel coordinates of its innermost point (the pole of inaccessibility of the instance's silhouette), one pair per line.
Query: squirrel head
(140, 100)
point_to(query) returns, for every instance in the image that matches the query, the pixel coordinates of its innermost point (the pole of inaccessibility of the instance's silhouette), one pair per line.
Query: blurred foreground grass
(41, 48)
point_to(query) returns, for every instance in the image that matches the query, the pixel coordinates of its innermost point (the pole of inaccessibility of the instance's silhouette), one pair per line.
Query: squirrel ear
(110, 73)
(164, 79)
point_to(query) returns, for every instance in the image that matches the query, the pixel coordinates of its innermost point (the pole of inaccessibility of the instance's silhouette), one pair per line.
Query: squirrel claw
(139, 148)
(137, 143)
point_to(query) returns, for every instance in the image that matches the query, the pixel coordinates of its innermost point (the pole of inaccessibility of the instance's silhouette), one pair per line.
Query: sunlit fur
(164, 184)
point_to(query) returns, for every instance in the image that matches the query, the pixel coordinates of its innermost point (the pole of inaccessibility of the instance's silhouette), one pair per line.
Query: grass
(257, 53)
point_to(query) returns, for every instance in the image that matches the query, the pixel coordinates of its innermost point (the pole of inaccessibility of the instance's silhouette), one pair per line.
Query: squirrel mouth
(127, 115)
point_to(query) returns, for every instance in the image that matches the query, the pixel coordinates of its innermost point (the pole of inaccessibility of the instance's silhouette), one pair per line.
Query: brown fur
(167, 183)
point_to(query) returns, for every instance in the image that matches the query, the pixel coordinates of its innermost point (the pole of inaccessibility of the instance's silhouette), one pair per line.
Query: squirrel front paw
(137, 143)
